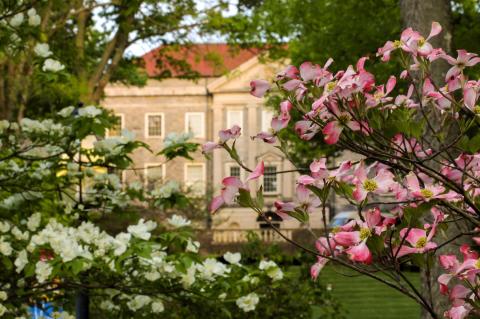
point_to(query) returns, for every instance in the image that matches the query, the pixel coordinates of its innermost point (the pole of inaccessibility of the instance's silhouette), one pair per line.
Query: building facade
(203, 107)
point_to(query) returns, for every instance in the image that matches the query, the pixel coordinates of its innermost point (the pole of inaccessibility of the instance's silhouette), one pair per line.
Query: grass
(366, 298)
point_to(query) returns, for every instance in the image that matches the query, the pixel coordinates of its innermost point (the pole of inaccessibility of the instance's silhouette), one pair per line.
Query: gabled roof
(206, 60)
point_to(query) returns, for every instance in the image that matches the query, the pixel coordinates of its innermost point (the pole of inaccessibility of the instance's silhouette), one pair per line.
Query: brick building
(216, 100)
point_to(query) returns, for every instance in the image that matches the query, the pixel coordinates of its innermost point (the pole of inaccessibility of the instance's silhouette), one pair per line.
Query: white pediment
(238, 80)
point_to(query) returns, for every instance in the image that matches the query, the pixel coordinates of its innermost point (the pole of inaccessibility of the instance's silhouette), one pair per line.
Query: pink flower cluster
(465, 277)
(338, 107)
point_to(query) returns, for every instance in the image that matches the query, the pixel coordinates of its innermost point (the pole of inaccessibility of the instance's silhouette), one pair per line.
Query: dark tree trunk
(419, 15)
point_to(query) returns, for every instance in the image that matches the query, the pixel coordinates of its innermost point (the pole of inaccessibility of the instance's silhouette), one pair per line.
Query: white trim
(241, 69)
(146, 124)
(228, 165)
(268, 125)
(278, 176)
(229, 112)
(122, 124)
(204, 175)
(202, 114)
(146, 166)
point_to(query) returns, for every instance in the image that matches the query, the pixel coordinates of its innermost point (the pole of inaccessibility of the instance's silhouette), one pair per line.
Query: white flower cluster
(114, 145)
(167, 190)
(212, 268)
(90, 111)
(33, 19)
(176, 138)
(42, 127)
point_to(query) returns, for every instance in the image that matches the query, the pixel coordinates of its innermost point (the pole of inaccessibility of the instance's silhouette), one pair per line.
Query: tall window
(234, 117)
(154, 124)
(116, 129)
(195, 123)
(195, 178)
(266, 120)
(154, 175)
(232, 169)
(270, 179)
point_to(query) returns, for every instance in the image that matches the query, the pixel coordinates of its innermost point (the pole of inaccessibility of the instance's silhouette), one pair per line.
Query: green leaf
(7, 263)
(76, 266)
(474, 144)
(300, 215)
(260, 200)
(245, 199)
(413, 214)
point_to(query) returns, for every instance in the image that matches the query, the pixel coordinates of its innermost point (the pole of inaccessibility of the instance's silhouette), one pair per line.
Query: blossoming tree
(55, 189)
(417, 186)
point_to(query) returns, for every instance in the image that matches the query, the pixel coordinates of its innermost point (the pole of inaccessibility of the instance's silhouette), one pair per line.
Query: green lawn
(366, 298)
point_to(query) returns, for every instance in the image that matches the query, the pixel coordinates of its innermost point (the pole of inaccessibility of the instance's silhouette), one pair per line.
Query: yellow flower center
(378, 95)
(370, 185)
(397, 44)
(477, 264)
(421, 41)
(421, 242)
(335, 230)
(426, 193)
(365, 233)
(331, 85)
(344, 118)
(476, 109)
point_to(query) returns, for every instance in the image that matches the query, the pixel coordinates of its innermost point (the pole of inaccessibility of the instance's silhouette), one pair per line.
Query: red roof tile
(205, 60)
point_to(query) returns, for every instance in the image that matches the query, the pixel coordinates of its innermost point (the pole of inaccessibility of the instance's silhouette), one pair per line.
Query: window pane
(154, 125)
(234, 118)
(266, 120)
(195, 124)
(235, 171)
(270, 179)
(194, 178)
(154, 177)
(116, 129)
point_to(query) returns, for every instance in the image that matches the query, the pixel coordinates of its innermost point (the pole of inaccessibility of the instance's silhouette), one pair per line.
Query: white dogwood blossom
(157, 306)
(211, 268)
(272, 270)
(232, 258)
(42, 50)
(21, 261)
(5, 247)
(34, 221)
(178, 221)
(192, 246)
(248, 303)
(176, 138)
(51, 65)
(138, 302)
(90, 111)
(142, 229)
(43, 270)
(33, 18)
(17, 20)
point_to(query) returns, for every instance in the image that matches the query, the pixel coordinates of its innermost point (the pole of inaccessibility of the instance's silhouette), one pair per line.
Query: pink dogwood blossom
(464, 59)
(379, 184)
(258, 88)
